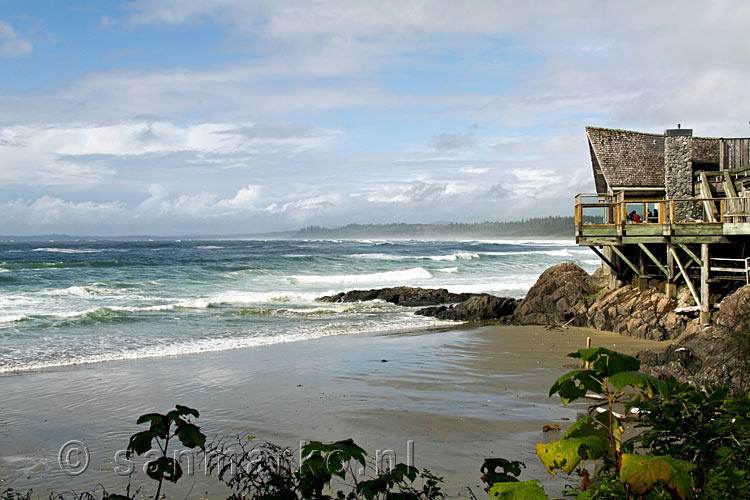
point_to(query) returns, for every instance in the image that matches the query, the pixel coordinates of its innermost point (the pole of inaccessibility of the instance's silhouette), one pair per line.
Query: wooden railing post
(671, 212)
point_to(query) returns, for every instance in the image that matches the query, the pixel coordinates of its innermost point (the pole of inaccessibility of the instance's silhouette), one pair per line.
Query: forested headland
(557, 226)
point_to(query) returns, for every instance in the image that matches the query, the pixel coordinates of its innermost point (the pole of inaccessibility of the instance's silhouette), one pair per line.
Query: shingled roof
(623, 158)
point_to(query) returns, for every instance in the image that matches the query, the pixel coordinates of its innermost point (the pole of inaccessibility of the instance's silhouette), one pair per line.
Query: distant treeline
(535, 227)
(538, 227)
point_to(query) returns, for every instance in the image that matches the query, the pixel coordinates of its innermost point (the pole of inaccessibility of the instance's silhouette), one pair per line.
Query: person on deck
(634, 217)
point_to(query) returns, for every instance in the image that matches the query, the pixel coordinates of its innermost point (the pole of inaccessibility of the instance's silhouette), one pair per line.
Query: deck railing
(615, 210)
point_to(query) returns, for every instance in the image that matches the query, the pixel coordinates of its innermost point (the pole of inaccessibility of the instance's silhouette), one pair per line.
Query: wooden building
(671, 207)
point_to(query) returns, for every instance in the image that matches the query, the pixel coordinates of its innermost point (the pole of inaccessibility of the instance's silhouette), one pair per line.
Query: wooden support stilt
(686, 277)
(705, 293)
(654, 259)
(642, 271)
(625, 260)
(691, 254)
(612, 267)
(671, 289)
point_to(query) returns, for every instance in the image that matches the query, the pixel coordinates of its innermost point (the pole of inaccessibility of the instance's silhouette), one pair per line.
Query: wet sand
(458, 396)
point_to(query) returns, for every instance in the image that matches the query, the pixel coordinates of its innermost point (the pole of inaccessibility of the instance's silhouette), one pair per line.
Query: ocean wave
(206, 345)
(448, 270)
(396, 276)
(12, 318)
(563, 252)
(592, 262)
(518, 285)
(209, 247)
(61, 265)
(76, 291)
(67, 250)
(366, 308)
(436, 258)
(535, 242)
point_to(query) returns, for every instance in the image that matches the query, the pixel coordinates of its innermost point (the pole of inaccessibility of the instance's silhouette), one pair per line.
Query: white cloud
(474, 170)
(84, 155)
(48, 213)
(13, 44)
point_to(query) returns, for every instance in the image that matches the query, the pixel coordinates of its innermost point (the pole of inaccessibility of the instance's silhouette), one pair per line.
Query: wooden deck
(603, 220)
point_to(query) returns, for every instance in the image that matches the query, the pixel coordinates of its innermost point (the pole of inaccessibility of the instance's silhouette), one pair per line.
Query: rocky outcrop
(447, 305)
(647, 315)
(734, 311)
(401, 295)
(558, 296)
(477, 308)
(719, 353)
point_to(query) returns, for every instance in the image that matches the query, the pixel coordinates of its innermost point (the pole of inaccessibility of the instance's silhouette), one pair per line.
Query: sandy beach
(458, 395)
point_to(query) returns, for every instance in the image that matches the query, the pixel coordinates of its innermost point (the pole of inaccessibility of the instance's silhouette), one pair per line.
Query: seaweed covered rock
(402, 296)
(477, 308)
(558, 296)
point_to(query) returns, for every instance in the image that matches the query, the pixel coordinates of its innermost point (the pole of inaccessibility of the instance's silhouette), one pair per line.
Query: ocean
(90, 301)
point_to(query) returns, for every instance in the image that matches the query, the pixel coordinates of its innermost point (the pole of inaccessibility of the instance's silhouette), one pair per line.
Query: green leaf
(191, 436)
(576, 384)
(509, 468)
(644, 382)
(184, 410)
(164, 468)
(603, 419)
(643, 472)
(140, 442)
(401, 471)
(526, 490)
(606, 361)
(159, 423)
(566, 454)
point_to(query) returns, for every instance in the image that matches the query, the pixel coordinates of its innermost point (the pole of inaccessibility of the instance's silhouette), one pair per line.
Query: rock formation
(401, 295)
(477, 308)
(557, 297)
(719, 353)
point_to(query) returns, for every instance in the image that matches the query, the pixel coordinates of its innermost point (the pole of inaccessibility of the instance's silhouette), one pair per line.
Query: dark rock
(734, 310)
(477, 308)
(558, 296)
(402, 296)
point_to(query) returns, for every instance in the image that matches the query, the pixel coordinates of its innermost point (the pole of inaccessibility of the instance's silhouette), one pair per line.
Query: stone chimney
(678, 171)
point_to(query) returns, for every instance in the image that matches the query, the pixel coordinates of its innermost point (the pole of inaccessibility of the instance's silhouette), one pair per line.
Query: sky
(189, 117)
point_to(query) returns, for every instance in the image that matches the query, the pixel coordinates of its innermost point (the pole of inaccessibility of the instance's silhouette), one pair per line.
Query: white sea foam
(209, 247)
(381, 256)
(66, 250)
(592, 262)
(12, 318)
(448, 270)
(518, 285)
(76, 291)
(394, 276)
(535, 242)
(205, 345)
(436, 258)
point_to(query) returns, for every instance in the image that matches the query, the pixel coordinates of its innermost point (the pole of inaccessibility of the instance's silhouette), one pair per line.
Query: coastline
(460, 394)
